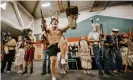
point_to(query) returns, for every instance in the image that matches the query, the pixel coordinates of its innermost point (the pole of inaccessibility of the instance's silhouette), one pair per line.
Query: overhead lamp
(3, 6)
(45, 4)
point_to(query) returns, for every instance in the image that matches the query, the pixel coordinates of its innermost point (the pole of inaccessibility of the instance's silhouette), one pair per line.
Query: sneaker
(53, 78)
(115, 71)
(19, 71)
(63, 61)
(43, 73)
(88, 72)
(64, 72)
(100, 72)
(85, 72)
(8, 71)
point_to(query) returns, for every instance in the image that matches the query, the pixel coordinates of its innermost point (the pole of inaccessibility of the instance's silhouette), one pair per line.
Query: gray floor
(71, 75)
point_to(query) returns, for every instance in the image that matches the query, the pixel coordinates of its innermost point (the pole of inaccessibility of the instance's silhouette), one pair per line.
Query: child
(19, 58)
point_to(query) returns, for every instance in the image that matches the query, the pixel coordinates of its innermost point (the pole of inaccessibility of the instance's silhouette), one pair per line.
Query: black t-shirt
(113, 40)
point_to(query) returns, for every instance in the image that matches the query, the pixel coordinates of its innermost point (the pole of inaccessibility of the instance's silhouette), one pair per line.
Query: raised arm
(72, 23)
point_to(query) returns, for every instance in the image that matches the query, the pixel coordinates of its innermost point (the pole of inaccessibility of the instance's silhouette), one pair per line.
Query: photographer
(9, 54)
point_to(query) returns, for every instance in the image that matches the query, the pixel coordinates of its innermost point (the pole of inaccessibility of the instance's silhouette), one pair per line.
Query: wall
(84, 27)
(123, 11)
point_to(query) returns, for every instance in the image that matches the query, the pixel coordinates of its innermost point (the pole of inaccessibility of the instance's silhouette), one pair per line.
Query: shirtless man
(54, 37)
(29, 52)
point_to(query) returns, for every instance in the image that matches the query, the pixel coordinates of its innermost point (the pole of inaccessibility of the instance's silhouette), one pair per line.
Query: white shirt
(94, 36)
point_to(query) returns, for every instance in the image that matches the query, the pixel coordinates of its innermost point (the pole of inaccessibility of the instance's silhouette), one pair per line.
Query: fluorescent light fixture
(3, 6)
(46, 4)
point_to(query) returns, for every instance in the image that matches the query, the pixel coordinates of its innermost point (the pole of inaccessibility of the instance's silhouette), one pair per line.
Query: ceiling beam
(106, 5)
(17, 12)
(92, 6)
(36, 5)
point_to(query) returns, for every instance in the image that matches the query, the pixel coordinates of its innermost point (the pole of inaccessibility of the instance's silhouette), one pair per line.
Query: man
(45, 55)
(113, 51)
(74, 49)
(9, 54)
(94, 39)
(29, 53)
(54, 36)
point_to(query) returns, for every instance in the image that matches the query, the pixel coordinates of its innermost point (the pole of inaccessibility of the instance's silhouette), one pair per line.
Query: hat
(115, 30)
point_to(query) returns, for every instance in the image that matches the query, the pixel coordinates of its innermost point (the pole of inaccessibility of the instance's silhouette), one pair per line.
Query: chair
(71, 60)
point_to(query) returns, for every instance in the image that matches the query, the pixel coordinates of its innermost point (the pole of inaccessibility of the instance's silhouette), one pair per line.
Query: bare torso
(54, 36)
(30, 44)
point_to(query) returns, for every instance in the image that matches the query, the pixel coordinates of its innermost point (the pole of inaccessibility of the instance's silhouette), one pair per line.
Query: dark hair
(29, 30)
(54, 19)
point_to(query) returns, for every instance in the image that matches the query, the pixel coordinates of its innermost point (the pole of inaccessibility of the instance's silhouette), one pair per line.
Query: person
(54, 37)
(19, 57)
(9, 55)
(124, 46)
(129, 57)
(74, 49)
(70, 48)
(93, 37)
(113, 51)
(29, 52)
(45, 55)
(84, 54)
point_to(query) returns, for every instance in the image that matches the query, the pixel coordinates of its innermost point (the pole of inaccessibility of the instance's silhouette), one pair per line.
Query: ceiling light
(3, 6)
(45, 4)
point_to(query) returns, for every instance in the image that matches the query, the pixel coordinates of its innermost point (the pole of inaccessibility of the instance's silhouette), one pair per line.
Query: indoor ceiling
(34, 6)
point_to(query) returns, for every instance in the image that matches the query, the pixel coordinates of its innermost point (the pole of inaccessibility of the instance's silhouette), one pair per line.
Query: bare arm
(65, 28)
(71, 23)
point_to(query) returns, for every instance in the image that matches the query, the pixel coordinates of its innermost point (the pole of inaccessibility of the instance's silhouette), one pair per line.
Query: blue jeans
(96, 51)
(45, 54)
(115, 59)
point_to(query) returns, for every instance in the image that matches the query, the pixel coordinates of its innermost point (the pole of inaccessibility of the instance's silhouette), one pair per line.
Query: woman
(84, 55)
(19, 58)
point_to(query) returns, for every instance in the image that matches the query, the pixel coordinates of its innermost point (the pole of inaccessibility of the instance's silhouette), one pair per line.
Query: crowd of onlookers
(115, 51)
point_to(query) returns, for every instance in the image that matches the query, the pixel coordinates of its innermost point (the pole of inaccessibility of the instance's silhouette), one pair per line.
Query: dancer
(29, 53)
(54, 37)
(19, 58)
(84, 54)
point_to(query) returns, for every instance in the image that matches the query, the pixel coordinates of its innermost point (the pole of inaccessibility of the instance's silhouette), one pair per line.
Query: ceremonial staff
(102, 39)
(43, 26)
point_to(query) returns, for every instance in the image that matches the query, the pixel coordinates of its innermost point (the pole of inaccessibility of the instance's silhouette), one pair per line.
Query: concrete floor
(71, 75)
